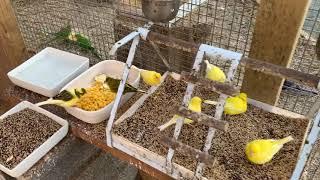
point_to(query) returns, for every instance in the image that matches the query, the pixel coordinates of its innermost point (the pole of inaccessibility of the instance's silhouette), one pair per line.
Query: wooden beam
(277, 29)
(202, 118)
(12, 48)
(187, 150)
(286, 73)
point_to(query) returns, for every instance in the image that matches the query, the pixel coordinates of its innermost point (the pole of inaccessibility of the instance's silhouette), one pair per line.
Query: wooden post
(277, 29)
(12, 48)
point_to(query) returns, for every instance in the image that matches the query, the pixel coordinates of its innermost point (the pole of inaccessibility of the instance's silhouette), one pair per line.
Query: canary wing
(214, 73)
(235, 105)
(266, 153)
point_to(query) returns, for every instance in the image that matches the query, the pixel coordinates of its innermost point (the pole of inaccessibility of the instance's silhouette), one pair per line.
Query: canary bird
(151, 78)
(214, 73)
(234, 105)
(66, 98)
(194, 105)
(112, 84)
(262, 151)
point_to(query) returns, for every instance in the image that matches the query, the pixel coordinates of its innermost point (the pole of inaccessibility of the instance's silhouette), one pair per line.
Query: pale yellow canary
(152, 78)
(234, 105)
(262, 151)
(66, 98)
(194, 105)
(214, 73)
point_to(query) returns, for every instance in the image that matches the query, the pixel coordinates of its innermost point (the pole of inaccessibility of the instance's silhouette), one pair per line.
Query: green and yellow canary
(112, 84)
(66, 98)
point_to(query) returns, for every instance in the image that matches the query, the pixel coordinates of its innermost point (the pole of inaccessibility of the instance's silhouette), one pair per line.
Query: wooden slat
(12, 48)
(225, 88)
(275, 70)
(277, 29)
(187, 150)
(203, 119)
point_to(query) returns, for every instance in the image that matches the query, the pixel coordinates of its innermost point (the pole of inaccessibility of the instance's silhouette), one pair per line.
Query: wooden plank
(12, 48)
(277, 29)
(187, 150)
(275, 70)
(203, 119)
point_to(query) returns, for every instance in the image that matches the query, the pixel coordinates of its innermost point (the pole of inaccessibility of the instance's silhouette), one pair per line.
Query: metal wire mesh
(39, 20)
(227, 24)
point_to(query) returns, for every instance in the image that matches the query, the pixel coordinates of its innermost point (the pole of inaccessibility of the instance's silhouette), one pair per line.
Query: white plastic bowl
(48, 71)
(38, 153)
(111, 68)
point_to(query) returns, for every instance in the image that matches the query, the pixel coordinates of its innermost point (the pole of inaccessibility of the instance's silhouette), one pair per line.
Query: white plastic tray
(38, 153)
(48, 71)
(112, 68)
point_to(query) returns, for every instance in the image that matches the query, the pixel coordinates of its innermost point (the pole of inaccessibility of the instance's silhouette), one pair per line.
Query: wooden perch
(187, 150)
(272, 69)
(203, 119)
(219, 87)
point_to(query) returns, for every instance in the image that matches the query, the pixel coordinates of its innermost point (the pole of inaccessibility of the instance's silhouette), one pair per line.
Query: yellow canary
(151, 78)
(234, 105)
(214, 73)
(194, 105)
(65, 98)
(262, 151)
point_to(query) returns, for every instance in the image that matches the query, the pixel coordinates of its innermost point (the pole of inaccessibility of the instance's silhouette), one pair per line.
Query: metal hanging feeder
(160, 10)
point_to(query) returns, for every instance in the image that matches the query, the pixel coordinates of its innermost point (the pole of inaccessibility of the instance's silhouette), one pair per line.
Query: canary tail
(142, 91)
(207, 62)
(168, 124)
(210, 102)
(49, 101)
(284, 140)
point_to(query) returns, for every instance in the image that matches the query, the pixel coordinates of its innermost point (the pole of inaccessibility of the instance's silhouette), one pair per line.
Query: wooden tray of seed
(136, 133)
(27, 133)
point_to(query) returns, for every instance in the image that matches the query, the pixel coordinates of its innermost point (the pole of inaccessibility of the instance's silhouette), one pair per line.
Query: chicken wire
(228, 24)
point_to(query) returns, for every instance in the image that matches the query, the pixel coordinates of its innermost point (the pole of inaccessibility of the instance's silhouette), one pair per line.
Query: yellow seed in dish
(96, 98)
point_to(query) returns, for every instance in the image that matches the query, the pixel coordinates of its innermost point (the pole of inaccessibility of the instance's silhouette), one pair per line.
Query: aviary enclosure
(228, 24)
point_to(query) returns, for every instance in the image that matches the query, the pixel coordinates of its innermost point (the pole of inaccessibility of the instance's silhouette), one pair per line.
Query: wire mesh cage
(228, 24)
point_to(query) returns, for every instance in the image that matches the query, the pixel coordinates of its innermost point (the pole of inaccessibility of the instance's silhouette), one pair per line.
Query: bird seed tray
(136, 133)
(27, 133)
